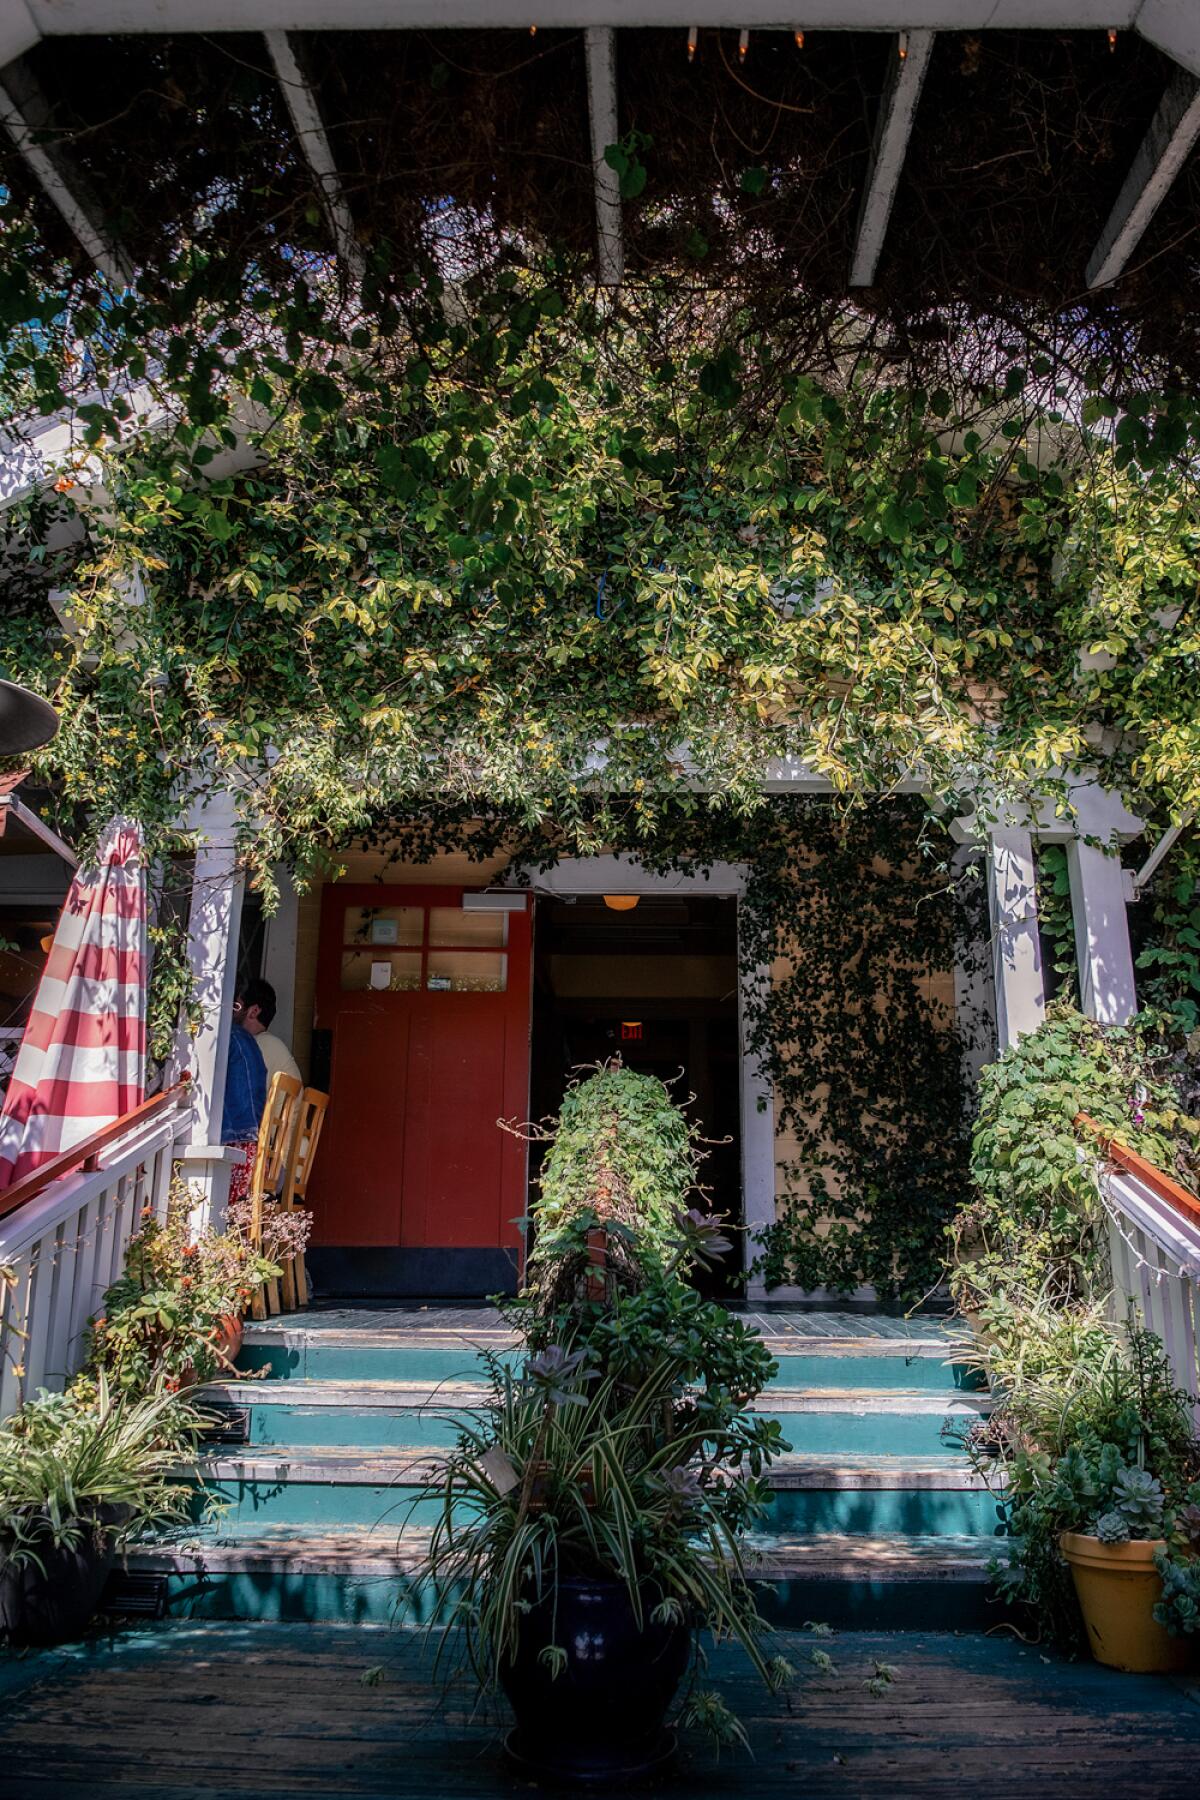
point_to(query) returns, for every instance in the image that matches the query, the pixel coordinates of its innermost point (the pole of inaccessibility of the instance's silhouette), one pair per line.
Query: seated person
(245, 1098)
(254, 1010)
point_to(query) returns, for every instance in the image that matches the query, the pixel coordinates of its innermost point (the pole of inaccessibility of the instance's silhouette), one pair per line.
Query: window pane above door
(384, 925)
(451, 925)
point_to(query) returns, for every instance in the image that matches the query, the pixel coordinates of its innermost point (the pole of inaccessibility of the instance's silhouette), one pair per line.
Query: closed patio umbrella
(82, 1061)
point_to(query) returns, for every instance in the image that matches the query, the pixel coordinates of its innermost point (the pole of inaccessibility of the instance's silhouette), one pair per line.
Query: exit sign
(631, 1031)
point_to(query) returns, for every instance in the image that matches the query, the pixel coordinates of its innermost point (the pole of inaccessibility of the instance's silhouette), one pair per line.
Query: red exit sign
(631, 1031)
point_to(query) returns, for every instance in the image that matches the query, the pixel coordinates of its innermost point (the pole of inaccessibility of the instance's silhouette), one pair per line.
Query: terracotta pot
(227, 1336)
(226, 1339)
(1118, 1586)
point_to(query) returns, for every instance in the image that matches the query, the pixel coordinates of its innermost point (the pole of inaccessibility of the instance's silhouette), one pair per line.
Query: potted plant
(80, 1473)
(1093, 1457)
(1129, 1539)
(593, 1514)
(175, 1314)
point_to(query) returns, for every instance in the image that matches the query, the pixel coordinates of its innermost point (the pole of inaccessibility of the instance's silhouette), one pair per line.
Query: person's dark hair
(259, 993)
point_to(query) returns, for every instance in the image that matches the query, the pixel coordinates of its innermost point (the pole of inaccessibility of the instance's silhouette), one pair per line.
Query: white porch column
(1016, 952)
(1099, 895)
(213, 925)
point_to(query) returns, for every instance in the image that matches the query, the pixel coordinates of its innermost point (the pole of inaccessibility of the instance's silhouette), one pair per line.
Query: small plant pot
(227, 1336)
(1118, 1587)
(226, 1339)
(602, 1719)
(57, 1602)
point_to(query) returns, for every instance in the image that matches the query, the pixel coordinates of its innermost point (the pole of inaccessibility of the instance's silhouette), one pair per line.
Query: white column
(1099, 896)
(213, 925)
(1016, 952)
(279, 954)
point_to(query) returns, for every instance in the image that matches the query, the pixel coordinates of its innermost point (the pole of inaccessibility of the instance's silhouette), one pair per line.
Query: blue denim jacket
(245, 1088)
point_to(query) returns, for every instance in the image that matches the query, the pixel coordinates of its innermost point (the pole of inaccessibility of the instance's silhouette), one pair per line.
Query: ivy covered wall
(859, 920)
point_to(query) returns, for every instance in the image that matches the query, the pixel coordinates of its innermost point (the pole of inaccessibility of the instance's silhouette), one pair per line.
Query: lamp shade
(621, 902)
(26, 721)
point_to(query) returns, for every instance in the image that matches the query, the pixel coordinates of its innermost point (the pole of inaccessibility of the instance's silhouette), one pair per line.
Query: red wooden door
(429, 1010)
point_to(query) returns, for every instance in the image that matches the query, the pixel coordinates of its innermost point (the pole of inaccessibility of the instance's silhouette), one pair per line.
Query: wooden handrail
(85, 1155)
(1165, 1186)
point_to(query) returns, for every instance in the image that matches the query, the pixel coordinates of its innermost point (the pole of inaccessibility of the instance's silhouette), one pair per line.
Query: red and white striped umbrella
(82, 1061)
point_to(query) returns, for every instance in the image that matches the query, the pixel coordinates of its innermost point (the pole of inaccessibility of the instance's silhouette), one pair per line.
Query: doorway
(656, 983)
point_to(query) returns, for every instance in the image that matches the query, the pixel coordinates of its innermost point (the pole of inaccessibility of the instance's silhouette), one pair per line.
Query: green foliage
(1090, 1435)
(625, 1449)
(1179, 1608)
(621, 1153)
(160, 1320)
(1169, 960)
(1036, 1222)
(89, 1464)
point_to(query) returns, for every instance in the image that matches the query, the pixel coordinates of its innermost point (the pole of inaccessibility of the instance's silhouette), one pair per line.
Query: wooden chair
(272, 1159)
(309, 1120)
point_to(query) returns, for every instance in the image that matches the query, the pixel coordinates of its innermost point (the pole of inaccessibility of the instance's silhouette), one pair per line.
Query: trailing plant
(1036, 1222)
(94, 1463)
(624, 1449)
(622, 1161)
(163, 1320)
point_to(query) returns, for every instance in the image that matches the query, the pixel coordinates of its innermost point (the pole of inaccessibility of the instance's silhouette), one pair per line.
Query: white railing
(1154, 1241)
(61, 1249)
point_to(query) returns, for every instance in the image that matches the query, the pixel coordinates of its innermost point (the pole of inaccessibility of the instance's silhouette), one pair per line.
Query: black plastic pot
(57, 1602)
(603, 1718)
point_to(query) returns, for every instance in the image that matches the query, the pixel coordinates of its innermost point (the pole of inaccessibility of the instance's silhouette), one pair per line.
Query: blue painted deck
(189, 1711)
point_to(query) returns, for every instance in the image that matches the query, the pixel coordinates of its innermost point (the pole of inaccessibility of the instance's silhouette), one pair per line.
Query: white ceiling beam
(1162, 153)
(66, 18)
(26, 117)
(310, 131)
(1173, 26)
(893, 128)
(601, 48)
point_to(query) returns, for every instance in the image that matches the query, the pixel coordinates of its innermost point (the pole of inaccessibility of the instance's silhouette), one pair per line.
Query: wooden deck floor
(230, 1712)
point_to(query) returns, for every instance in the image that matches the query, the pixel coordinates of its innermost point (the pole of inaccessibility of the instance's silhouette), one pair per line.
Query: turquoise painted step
(307, 1489)
(861, 1363)
(892, 1421)
(895, 1581)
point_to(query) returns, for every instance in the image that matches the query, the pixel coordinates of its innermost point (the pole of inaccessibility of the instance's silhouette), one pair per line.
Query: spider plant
(89, 1465)
(571, 1472)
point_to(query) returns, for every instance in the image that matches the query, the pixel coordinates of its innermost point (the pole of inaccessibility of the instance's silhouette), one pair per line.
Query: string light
(902, 46)
(533, 31)
(693, 35)
(743, 45)
(799, 37)
(1112, 38)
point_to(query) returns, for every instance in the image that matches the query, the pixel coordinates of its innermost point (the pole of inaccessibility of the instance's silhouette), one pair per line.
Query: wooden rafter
(905, 78)
(1162, 153)
(602, 112)
(26, 117)
(314, 142)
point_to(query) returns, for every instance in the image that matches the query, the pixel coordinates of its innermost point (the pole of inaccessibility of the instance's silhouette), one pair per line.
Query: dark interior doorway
(659, 984)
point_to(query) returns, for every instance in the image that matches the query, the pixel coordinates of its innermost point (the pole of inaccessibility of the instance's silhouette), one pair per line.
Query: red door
(429, 1010)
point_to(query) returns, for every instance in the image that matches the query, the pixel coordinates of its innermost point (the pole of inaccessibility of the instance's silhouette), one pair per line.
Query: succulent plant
(1112, 1528)
(1139, 1498)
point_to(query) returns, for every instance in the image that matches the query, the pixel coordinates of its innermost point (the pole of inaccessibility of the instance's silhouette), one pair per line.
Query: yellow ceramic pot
(1118, 1587)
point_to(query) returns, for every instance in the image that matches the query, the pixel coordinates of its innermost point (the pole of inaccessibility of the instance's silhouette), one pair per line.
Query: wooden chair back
(310, 1116)
(272, 1160)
